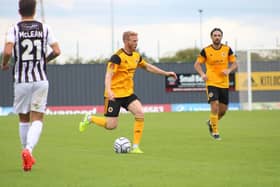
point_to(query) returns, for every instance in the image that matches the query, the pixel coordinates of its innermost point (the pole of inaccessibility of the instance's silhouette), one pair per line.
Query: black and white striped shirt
(30, 40)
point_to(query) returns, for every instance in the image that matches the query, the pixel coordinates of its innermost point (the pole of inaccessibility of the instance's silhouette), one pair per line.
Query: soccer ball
(122, 145)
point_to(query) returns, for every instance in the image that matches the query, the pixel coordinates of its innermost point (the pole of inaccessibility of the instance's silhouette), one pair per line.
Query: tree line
(188, 55)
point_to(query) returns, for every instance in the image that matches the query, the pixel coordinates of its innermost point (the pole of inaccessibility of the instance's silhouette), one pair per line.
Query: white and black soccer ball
(122, 145)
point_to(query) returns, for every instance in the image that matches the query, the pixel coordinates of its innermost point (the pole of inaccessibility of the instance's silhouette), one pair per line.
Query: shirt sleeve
(231, 56)
(51, 39)
(142, 63)
(201, 57)
(113, 63)
(10, 35)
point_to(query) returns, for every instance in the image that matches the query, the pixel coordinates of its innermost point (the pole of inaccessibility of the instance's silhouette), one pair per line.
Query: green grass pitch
(179, 152)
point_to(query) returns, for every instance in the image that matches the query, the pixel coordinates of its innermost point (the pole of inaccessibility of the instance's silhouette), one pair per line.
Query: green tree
(72, 60)
(105, 60)
(97, 61)
(185, 55)
(261, 55)
(148, 59)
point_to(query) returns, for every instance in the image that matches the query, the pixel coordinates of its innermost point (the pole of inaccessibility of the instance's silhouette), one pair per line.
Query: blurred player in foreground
(216, 57)
(27, 41)
(119, 89)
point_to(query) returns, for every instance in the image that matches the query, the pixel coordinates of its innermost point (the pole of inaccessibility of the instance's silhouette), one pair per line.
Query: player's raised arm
(153, 69)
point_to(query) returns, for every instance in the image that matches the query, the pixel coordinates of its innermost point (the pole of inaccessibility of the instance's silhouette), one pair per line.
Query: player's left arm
(231, 68)
(55, 51)
(53, 43)
(153, 69)
(232, 61)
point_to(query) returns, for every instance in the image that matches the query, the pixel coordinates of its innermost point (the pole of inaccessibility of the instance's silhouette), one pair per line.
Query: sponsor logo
(258, 81)
(110, 109)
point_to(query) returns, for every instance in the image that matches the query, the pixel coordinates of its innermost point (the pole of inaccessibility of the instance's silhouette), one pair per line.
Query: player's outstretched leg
(88, 119)
(84, 123)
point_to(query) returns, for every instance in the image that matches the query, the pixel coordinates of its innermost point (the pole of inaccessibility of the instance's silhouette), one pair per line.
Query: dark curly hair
(216, 29)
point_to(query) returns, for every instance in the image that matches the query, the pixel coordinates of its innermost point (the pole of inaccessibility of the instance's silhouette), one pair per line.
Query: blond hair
(127, 34)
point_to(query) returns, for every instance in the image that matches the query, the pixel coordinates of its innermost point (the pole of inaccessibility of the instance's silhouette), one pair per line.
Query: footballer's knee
(110, 125)
(221, 114)
(25, 118)
(214, 107)
(139, 114)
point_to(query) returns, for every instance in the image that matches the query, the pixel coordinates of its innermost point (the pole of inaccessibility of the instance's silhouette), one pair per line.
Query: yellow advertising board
(259, 81)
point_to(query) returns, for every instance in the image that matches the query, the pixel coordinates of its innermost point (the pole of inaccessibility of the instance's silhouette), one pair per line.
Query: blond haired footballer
(119, 89)
(216, 58)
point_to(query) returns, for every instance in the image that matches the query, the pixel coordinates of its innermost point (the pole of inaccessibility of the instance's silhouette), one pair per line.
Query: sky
(85, 28)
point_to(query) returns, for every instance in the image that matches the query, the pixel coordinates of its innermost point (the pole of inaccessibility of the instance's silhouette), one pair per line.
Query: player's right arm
(7, 53)
(8, 49)
(198, 68)
(108, 79)
(111, 69)
(197, 65)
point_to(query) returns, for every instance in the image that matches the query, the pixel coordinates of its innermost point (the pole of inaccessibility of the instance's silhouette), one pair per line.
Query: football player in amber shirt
(119, 89)
(216, 58)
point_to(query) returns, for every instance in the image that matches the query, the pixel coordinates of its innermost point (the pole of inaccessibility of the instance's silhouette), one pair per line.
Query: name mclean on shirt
(31, 34)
